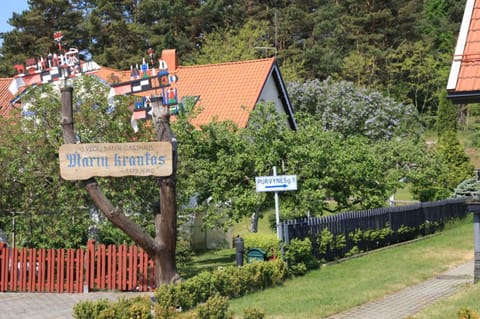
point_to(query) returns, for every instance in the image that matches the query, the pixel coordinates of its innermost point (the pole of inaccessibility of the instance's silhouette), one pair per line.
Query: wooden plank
(102, 267)
(133, 267)
(51, 270)
(14, 270)
(90, 262)
(80, 270)
(124, 267)
(70, 263)
(140, 271)
(61, 271)
(32, 269)
(23, 270)
(82, 161)
(4, 261)
(41, 270)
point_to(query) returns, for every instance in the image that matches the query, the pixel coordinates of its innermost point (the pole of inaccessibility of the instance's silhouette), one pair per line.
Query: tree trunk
(166, 217)
(254, 222)
(161, 248)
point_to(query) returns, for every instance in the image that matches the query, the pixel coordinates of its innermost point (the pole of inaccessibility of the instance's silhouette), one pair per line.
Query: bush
(299, 257)
(125, 308)
(215, 307)
(253, 313)
(89, 309)
(330, 247)
(227, 282)
(466, 313)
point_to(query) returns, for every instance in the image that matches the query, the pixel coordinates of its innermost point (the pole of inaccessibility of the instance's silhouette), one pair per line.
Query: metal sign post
(275, 184)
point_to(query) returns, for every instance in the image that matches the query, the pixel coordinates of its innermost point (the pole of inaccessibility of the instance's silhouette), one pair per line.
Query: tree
(342, 107)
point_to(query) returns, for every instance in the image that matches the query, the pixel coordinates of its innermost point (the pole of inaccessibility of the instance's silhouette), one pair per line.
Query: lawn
(340, 286)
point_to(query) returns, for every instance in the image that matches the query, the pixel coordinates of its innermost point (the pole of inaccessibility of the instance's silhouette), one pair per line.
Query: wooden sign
(82, 161)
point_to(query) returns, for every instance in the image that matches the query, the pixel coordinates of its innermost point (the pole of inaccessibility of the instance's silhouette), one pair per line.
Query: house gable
(464, 81)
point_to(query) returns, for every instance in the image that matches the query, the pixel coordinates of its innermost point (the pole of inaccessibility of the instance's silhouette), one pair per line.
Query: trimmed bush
(216, 307)
(226, 282)
(299, 257)
(125, 308)
(254, 313)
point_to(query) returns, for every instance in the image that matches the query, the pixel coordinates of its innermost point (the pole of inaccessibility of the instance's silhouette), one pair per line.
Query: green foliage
(227, 282)
(216, 307)
(124, 308)
(330, 246)
(353, 110)
(90, 309)
(466, 313)
(50, 212)
(447, 116)
(299, 257)
(253, 313)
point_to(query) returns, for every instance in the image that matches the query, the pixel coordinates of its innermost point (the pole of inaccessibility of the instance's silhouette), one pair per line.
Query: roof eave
(465, 97)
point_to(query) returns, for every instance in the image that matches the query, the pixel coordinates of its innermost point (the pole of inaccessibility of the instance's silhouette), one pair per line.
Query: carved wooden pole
(166, 216)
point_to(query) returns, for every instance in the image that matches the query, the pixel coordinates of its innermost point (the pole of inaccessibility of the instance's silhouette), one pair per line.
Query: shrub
(89, 309)
(216, 307)
(125, 308)
(183, 253)
(253, 313)
(299, 257)
(227, 282)
(466, 313)
(330, 247)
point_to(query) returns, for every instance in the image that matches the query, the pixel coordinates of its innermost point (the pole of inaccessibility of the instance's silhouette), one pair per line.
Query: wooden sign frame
(83, 161)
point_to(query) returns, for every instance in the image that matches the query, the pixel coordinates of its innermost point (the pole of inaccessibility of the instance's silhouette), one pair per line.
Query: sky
(8, 7)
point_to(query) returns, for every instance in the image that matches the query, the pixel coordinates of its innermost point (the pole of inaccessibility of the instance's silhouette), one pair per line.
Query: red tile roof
(464, 81)
(226, 91)
(5, 97)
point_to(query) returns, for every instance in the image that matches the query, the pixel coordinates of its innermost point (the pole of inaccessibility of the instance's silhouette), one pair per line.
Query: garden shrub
(330, 247)
(89, 309)
(216, 307)
(227, 282)
(253, 313)
(299, 257)
(125, 308)
(466, 313)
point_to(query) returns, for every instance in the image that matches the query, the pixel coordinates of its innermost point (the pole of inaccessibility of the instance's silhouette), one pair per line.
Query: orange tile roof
(226, 91)
(5, 96)
(464, 81)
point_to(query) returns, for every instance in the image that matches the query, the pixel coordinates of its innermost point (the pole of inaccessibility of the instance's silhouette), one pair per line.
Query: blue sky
(7, 7)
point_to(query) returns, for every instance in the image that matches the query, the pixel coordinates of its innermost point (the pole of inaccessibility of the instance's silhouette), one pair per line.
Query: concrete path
(399, 305)
(411, 300)
(49, 305)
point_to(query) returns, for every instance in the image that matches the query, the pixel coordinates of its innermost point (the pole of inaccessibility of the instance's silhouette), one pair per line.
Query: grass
(448, 308)
(341, 286)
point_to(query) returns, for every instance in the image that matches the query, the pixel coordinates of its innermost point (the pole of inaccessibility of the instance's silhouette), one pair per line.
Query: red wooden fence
(98, 267)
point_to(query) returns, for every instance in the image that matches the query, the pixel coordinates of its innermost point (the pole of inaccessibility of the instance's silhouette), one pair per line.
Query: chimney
(170, 57)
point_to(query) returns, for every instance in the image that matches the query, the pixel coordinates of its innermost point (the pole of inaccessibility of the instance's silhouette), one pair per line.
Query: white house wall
(270, 93)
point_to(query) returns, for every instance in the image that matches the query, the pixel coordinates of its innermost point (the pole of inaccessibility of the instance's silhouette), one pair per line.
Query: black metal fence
(397, 223)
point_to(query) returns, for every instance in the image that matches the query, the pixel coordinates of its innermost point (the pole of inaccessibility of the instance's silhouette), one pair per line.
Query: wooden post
(475, 208)
(166, 216)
